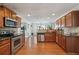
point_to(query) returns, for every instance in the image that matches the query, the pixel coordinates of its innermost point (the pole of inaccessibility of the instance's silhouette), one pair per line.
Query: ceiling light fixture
(53, 14)
(48, 17)
(28, 15)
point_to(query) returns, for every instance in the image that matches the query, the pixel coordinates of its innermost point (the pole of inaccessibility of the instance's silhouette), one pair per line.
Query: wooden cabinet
(60, 22)
(13, 15)
(72, 19)
(50, 36)
(7, 12)
(63, 42)
(72, 44)
(63, 20)
(57, 23)
(1, 16)
(4, 12)
(76, 44)
(75, 15)
(5, 47)
(18, 19)
(69, 44)
(22, 39)
(69, 20)
(57, 37)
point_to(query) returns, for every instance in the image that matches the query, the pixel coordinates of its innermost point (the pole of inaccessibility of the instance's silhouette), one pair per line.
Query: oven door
(16, 43)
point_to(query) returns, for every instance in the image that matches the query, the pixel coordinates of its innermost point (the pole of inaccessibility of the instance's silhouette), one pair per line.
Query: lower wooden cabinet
(5, 47)
(22, 39)
(72, 44)
(57, 38)
(63, 42)
(77, 44)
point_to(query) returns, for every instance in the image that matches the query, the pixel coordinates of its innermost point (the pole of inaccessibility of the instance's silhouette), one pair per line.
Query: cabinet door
(76, 18)
(5, 49)
(1, 16)
(1, 22)
(76, 47)
(63, 21)
(60, 40)
(63, 42)
(50, 37)
(57, 23)
(23, 39)
(7, 13)
(70, 44)
(13, 15)
(69, 20)
(60, 24)
(56, 37)
(18, 19)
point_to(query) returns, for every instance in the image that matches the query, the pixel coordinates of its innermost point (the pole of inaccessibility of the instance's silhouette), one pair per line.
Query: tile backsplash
(71, 30)
(14, 30)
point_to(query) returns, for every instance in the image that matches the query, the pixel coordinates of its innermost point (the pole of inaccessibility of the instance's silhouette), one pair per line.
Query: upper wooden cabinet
(1, 16)
(63, 21)
(13, 15)
(69, 20)
(57, 22)
(72, 19)
(18, 19)
(7, 12)
(60, 22)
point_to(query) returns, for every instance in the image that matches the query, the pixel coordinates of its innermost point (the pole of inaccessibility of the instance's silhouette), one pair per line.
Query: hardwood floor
(41, 49)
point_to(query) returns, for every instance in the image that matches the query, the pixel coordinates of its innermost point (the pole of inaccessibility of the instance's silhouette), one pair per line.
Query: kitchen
(25, 26)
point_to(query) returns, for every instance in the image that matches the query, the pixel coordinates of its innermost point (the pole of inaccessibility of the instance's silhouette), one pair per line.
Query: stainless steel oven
(15, 44)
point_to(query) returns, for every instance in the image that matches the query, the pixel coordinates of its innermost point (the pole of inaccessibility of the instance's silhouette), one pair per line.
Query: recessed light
(28, 15)
(48, 17)
(53, 14)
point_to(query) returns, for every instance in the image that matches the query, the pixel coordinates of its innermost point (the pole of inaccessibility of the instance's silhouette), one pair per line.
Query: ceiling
(40, 12)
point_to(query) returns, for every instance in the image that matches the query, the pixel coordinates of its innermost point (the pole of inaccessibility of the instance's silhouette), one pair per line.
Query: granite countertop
(3, 38)
(16, 35)
(41, 31)
(71, 35)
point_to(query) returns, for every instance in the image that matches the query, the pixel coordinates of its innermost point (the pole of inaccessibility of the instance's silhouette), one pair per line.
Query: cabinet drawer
(6, 40)
(5, 49)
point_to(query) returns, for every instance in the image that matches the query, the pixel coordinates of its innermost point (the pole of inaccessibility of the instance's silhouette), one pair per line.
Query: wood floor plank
(41, 49)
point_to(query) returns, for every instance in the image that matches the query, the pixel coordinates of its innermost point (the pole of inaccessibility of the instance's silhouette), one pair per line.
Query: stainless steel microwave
(8, 22)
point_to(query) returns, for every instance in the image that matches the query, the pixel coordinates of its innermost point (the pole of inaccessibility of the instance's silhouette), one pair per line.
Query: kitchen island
(46, 36)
